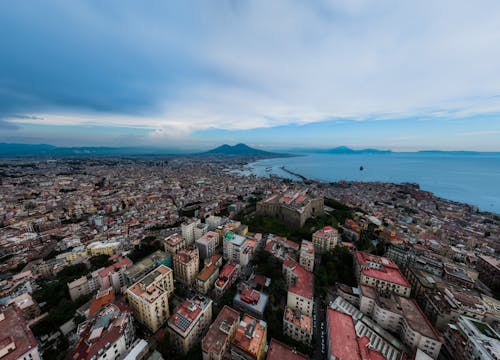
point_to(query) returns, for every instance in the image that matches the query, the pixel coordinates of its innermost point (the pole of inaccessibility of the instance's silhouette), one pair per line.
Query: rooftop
(187, 314)
(208, 237)
(380, 268)
(250, 335)
(298, 319)
(304, 280)
(13, 329)
(326, 232)
(416, 318)
(218, 333)
(174, 239)
(209, 270)
(279, 351)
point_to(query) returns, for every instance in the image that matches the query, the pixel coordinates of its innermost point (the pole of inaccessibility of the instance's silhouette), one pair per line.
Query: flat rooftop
(380, 268)
(250, 335)
(13, 329)
(279, 351)
(219, 332)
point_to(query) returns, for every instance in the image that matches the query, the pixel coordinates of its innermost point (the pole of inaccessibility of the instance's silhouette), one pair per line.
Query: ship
(269, 168)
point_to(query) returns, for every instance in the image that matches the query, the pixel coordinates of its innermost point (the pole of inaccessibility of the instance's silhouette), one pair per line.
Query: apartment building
(306, 256)
(148, 297)
(190, 320)
(250, 339)
(114, 275)
(381, 273)
(144, 266)
(216, 343)
(298, 326)
(325, 240)
(187, 230)
(108, 335)
(187, 265)
(250, 301)
(300, 287)
(173, 244)
(279, 351)
(207, 277)
(85, 285)
(17, 340)
(207, 244)
(236, 249)
(200, 230)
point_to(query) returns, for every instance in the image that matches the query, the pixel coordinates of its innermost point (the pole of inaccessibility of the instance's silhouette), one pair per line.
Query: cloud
(187, 66)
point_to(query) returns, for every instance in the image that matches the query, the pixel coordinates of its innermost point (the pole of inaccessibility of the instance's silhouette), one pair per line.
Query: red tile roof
(279, 351)
(385, 269)
(102, 298)
(14, 328)
(304, 282)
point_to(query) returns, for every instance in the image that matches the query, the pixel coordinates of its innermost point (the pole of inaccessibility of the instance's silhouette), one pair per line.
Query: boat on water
(269, 168)
(361, 168)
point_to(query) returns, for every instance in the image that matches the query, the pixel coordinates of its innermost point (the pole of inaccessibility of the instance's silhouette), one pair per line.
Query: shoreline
(299, 178)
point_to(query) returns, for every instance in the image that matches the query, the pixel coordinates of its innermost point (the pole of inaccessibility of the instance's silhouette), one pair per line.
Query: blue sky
(401, 75)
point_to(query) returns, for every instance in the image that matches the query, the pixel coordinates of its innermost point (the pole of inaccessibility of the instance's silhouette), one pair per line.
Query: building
(187, 265)
(401, 315)
(108, 335)
(173, 244)
(381, 273)
(250, 301)
(298, 326)
(325, 240)
(145, 266)
(306, 256)
(213, 222)
(200, 230)
(187, 230)
(207, 244)
(280, 246)
(103, 248)
(470, 339)
(149, 298)
(207, 277)
(380, 340)
(28, 306)
(227, 277)
(250, 339)
(489, 270)
(293, 207)
(216, 343)
(236, 249)
(279, 351)
(343, 342)
(114, 275)
(85, 285)
(300, 287)
(189, 321)
(16, 339)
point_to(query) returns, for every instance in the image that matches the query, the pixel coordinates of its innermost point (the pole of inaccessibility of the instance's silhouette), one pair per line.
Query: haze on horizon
(382, 74)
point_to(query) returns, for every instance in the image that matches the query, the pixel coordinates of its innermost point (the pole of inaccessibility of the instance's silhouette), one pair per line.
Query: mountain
(237, 150)
(34, 150)
(347, 150)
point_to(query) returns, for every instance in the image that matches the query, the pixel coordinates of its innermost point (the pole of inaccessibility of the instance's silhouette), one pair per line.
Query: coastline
(300, 178)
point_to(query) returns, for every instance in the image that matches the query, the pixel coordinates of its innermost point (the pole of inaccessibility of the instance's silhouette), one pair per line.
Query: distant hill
(347, 150)
(34, 150)
(238, 150)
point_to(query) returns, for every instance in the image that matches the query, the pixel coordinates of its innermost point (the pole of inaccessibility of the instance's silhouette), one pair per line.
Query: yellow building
(148, 297)
(102, 248)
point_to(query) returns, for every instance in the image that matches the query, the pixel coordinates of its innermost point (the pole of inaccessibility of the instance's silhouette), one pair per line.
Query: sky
(389, 74)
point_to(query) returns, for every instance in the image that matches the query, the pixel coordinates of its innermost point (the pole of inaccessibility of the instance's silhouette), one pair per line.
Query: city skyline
(386, 75)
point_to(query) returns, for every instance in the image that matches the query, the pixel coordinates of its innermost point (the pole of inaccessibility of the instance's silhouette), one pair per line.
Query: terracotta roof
(380, 268)
(102, 298)
(13, 328)
(217, 334)
(279, 351)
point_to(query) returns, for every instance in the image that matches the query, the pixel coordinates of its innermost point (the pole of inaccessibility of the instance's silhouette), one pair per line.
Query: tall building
(200, 230)
(250, 301)
(236, 249)
(306, 256)
(207, 244)
(187, 229)
(213, 222)
(108, 335)
(144, 266)
(381, 273)
(149, 297)
(173, 244)
(187, 265)
(298, 326)
(325, 240)
(250, 338)
(17, 341)
(489, 270)
(215, 344)
(190, 320)
(300, 286)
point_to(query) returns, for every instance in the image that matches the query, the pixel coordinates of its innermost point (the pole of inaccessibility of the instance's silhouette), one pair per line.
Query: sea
(472, 178)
